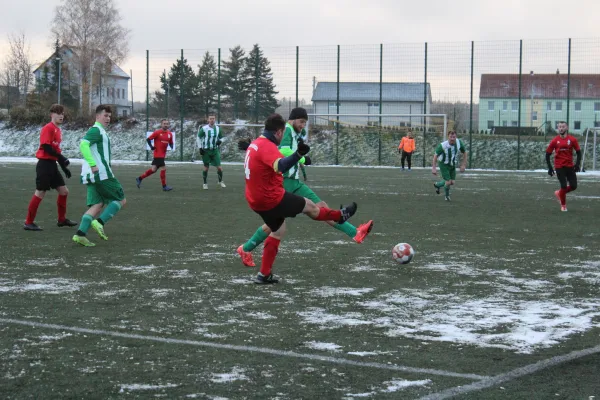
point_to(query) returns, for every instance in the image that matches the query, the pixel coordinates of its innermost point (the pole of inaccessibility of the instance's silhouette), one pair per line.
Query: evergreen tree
(262, 100)
(173, 84)
(207, 84)
(236, 82)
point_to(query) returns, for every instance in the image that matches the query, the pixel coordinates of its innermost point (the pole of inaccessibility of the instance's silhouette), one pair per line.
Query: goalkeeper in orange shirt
(406, 148)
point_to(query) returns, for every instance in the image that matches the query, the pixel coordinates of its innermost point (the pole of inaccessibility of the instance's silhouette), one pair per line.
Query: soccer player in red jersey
(47, 175)
(162, 138)
(562, 146)
(263, 167)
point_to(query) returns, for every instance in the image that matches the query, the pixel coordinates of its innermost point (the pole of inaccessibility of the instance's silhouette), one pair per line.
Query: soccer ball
(403, 253)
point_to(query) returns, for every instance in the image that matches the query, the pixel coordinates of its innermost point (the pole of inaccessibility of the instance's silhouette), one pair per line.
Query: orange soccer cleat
(362, 231)
(246, 257)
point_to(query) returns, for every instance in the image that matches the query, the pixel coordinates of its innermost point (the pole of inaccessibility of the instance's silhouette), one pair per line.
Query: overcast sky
(192, 24)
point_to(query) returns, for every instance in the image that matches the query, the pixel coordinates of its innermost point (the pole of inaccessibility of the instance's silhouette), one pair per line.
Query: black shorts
(159, 162)
(47, 176)
(290, 206)
(567, 174)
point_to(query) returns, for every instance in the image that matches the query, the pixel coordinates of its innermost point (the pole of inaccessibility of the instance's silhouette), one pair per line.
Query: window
(504, 123)
(373, 104)
(549, 106)
(124, 113)
(505, 106)
(514, 105)
(123, 93)
(558, 106)
(534, 116)
(514, 123)
(333, 104)
(490, 105)
(577, 125)
(596, 124)
(372, 123)
(118, 93)
(596, 106)
(577, 106)
(490, 124)
(107, 92)
(97, 91)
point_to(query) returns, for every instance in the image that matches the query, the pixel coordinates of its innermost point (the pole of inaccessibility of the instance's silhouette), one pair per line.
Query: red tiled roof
(549, 86)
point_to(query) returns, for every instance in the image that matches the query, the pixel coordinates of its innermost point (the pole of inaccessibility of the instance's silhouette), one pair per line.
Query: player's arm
(150, 139)
(219, 138)
(549, 151)
(46, 139)
(171, 142)
(463, 161)
(285, 164)
(92, 136)
(438, 151)
(287, 151)
(578, 152)
(201, 135)
(401, 146)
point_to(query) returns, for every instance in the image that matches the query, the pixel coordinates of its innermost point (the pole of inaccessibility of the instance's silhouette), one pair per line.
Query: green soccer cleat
(82, 240)
(99, 228)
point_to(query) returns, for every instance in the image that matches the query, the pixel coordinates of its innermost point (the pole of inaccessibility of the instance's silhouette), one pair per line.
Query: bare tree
(17, 70)
(93, 30)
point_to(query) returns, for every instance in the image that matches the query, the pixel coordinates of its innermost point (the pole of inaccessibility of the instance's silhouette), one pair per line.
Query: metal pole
(471, 107)
(569, 83)
(131, 81)
(147, 95)
(58, 61)
(297, 71)
(519, 118)
(425, 108)
(380, 95)
(219, 87)
(100, 84)
(337, 104)
(168, 92)
(181, 86)
(256, 95)
(594, 150)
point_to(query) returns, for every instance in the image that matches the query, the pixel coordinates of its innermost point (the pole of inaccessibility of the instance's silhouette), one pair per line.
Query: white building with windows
(364, 98)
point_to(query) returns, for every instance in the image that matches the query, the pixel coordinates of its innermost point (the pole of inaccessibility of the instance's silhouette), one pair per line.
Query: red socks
(34, 203)
(163, 177)
(61, 203)
(146, 174)
(327, 214)
(270, 250)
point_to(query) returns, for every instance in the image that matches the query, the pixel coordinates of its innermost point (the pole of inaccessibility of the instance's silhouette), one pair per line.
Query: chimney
(557, 71)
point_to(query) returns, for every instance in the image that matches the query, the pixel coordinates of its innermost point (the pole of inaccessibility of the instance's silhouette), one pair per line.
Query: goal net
(590, 149)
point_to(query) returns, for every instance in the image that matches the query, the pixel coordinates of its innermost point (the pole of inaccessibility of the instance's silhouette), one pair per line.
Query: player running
(563, 145)
(47, 175)
(209, 140)
(292, 184)
(445, 157)
(162, 138)
(263, 167)
(96, 173)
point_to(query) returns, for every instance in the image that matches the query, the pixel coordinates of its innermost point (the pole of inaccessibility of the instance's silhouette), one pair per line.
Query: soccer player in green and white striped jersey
(291, 183)
(96, 173)
(209, 140)
(445, 157)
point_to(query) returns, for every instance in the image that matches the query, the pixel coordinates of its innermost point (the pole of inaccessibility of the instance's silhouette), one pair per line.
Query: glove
(66, 171)
(63, 161)
(399, 151)
(577, 168)
(243, 144)
(550, 172)
(152, 148)
(219, 142)
(201, 152)
(303, 148)
(307, 160)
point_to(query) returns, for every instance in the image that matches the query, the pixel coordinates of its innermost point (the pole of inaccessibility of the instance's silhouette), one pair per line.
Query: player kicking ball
(263, 167)
(162, 138)
(562, 146)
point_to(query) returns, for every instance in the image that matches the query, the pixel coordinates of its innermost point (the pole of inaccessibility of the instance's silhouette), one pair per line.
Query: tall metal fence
(504, 98)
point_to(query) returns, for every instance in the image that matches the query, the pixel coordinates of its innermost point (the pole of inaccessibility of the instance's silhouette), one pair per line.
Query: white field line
(511, 375)
(251, 349)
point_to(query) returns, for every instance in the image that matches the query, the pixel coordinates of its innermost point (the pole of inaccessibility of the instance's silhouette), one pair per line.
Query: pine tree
(173, 85)
(207, 85)
(236, 82)
(262, 101)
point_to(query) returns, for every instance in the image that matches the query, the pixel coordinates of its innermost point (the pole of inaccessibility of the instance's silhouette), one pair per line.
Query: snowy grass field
(502, 300)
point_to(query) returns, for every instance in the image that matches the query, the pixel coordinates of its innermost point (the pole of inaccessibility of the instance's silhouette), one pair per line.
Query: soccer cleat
(437, 189)
(563, 208)
(362, 231)
(347, 212)
(402, 168)
(138, 182)
(99, 228)
(557, 195)
(167, 188)
(66, 222)
(447, 198)
(246, 257)
(32, 227)
(82, 240)
(205, 186)
(222, 184)
(409, 169)
(265, 280)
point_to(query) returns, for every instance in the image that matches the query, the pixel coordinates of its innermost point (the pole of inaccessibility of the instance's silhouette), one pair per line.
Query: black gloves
(66, 171)
(550, 171)
(201, 152)
(219, 142)
(307, 160)
(152, 148)
(243, 144)
(63, 161)
(577, 168)
(303, 148)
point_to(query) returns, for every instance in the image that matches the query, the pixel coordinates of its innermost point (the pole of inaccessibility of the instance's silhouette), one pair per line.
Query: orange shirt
(407, 144)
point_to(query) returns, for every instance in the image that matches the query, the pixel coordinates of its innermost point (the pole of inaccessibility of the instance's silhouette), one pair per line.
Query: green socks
(256, 239)
(447, 190)
(110, 211)
(86, 221)
(440, 184)
(347, 228)
(219, 174)
(204, 176)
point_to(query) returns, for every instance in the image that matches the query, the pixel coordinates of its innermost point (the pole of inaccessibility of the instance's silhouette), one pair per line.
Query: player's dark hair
(451, 133)
(57, 109)
(563, 122)
(212, 114)
(103, 107)
(274, 122)
(163, 120)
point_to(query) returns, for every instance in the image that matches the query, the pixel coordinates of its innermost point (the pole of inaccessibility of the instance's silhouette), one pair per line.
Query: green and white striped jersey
(288, 146)
(99, 142)
(447, 153)
(208, 137)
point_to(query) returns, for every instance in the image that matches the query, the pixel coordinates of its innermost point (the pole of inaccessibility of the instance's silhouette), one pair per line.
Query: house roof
(369, 91)
(550, 86)
(115, 69)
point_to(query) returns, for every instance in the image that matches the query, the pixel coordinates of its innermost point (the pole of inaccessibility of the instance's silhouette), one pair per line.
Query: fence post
(256, 63)
(297, 71)
(147, 95)
(337, 104)
(181, 88)
(471, 107)
(219, 87)
(425, 108)
(520, 94)
(131, 82)
(569, 83)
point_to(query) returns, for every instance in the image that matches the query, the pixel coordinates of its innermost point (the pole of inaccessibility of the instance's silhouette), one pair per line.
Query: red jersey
(162, 139)
(563, 148)
(264, 185)
(52, 135)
